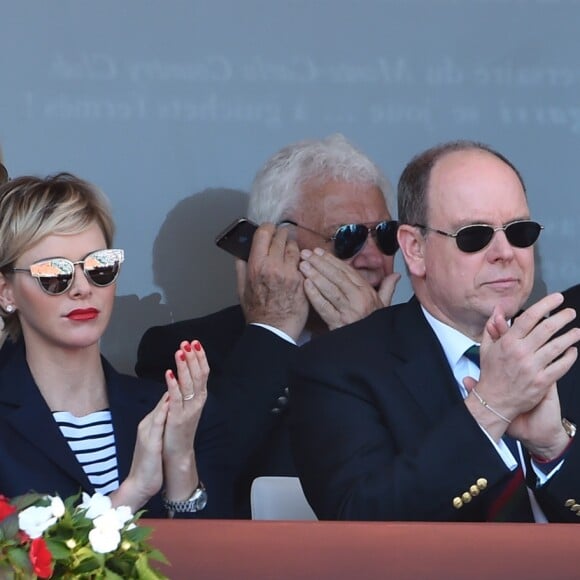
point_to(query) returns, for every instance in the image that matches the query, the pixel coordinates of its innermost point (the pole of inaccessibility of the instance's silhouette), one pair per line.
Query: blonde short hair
(32, 208)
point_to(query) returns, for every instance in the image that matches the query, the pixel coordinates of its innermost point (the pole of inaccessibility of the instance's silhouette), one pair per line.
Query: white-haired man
(322, 194)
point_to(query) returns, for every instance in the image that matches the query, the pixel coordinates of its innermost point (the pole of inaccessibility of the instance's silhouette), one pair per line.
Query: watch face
(199, 499)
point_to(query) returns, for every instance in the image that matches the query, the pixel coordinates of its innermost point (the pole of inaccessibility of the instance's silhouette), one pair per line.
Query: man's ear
(412, 245)
(6, 294)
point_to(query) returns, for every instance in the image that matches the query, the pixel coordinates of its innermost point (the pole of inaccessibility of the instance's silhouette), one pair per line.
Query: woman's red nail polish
(171, 375)
(197, 346)
(181, 355)
(187, 347)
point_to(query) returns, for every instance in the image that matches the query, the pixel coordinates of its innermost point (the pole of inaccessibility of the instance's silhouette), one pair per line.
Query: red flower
(40, 558)
(6, 508)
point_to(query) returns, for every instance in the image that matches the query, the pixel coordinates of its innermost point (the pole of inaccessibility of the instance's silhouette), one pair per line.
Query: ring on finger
(188, 397)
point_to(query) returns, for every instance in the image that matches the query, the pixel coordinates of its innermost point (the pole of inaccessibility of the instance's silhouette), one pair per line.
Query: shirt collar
(453, 342)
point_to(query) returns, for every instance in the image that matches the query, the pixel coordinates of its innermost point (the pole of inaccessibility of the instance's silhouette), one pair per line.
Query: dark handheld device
(237, 238)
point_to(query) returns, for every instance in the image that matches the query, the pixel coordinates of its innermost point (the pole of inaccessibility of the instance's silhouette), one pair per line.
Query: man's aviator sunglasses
(55, 275)
(475, 237)
(349, 239)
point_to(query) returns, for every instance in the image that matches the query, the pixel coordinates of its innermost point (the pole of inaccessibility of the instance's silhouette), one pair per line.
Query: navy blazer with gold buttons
(380, 431)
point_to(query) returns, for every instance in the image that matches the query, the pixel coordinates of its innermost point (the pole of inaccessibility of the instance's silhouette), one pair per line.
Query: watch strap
(195, 503)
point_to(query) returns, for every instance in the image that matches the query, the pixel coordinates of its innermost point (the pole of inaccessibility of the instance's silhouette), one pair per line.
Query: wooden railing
(256, 550)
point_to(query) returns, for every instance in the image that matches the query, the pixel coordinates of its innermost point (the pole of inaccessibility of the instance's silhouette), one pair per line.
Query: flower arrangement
(45, 537)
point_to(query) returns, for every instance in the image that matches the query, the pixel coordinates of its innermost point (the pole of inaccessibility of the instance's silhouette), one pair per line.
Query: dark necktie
(513, 502)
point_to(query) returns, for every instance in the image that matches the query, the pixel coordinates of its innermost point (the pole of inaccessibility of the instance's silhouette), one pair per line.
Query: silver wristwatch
(195, 503)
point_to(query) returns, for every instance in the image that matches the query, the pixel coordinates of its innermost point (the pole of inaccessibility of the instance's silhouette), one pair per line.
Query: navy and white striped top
(92, 440)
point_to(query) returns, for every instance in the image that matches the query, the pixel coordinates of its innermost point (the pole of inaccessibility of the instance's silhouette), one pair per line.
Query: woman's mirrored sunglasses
(349, 239)
(55, 275)
(475, 237)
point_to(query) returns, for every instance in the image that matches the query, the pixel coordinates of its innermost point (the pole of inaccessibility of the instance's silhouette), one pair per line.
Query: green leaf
(88, 565)
(71, 501)
(23, 501)
(86, 552)
(110, 575)
(123, 568)
(158, 556)
(58, 549)
(144, 571)
(137, 534)
(19, 558)
(10, 526)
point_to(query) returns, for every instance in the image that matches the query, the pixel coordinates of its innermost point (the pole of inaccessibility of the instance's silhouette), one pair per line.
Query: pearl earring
(10, 309)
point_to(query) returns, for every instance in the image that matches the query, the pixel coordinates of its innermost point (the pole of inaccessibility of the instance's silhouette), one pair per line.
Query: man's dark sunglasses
(475, 237)
(349, 239)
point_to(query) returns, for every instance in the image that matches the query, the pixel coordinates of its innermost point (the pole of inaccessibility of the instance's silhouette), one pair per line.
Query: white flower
(57, 506)
(96, 505)
(34, 520)
(124, 514)
(108, 520)
(104, 540)
(105, 536)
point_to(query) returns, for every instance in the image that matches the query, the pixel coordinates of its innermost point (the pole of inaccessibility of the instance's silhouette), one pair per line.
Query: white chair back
(279, 498)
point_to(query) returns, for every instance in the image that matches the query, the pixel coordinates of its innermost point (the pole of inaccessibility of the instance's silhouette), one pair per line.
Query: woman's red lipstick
(83, 314)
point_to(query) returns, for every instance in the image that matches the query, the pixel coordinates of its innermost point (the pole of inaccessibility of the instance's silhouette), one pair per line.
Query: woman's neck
(69, 380)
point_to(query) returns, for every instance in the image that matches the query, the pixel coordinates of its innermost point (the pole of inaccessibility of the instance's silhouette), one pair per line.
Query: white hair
(277, 186)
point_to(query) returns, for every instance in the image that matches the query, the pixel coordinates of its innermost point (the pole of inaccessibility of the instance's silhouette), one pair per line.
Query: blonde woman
(68, 421)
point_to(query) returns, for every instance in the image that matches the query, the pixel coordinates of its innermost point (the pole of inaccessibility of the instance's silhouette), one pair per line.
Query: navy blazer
(249, 375)
(380, 431)
(35, 456)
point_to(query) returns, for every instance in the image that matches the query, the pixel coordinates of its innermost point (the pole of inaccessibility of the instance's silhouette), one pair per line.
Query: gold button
(457, 503)
(466, 497)
(481, 483)
(570, 502)
(474, 490)
(575, 507)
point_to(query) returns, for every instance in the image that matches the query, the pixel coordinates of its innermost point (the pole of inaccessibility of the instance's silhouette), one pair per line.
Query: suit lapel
(24, 409)
(423, 366)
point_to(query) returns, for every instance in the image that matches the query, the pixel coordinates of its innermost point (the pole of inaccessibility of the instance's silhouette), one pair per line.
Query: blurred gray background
(171, 107)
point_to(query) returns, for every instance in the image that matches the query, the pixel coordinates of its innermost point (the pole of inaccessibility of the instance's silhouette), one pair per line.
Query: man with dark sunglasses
(322, 194)
(391, 418)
